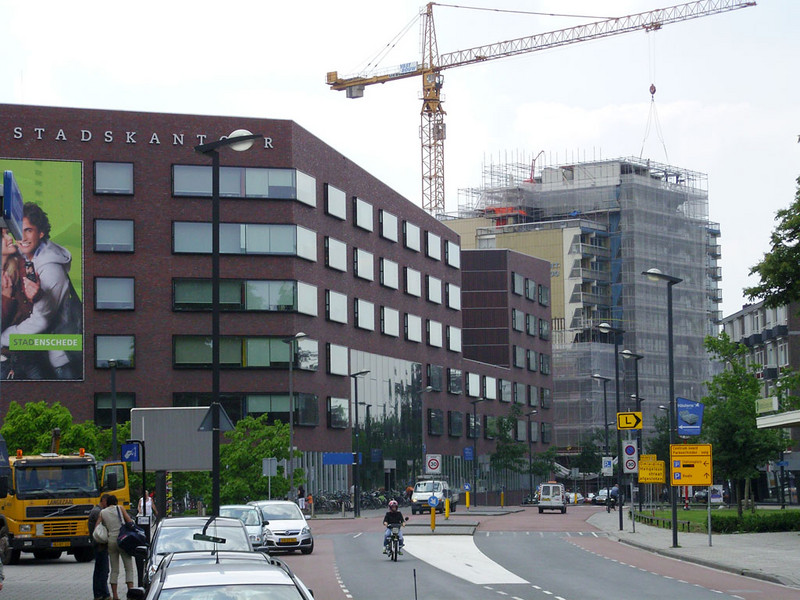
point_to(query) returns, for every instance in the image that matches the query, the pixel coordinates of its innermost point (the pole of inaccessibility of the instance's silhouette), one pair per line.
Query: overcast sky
(727, 100)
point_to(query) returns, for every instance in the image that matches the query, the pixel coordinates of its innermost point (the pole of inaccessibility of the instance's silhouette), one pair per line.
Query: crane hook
(652, 91)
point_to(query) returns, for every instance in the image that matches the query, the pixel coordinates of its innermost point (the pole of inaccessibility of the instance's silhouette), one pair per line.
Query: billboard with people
(41, 331)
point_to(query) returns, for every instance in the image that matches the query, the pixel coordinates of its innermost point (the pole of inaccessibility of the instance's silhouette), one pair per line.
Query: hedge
(772, 520)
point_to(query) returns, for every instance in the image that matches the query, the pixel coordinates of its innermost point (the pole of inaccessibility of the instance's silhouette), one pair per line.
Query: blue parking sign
(130, 452)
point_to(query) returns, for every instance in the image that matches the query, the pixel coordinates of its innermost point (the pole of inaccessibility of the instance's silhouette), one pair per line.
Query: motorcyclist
(393, 517)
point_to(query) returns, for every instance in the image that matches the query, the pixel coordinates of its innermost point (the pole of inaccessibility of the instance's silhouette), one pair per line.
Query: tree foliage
(779, 269)
(510, 454)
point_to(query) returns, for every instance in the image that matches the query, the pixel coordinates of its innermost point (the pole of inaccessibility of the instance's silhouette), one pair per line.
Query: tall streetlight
(239, 140)
(606, 448)
(475, 430)
(112, 364)
(292, 341)
(656, 275)
(530, 453)
(422, 436)
(356, 484)
(630, 355)
(606, 328)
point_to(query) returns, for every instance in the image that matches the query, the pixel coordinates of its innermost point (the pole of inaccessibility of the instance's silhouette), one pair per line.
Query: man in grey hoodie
(48, 287)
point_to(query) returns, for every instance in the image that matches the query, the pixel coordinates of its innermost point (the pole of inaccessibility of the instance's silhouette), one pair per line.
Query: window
(434, 285)
(413, 328)
(338, 363)
(113, 293)
(520, 432)
(113, 178)
(530, 289)
(455, 423)
(505, 390)
(435, 334)
(517, 284)
(390, 321)
(530, 324)
(246, 295)
(125, 401)
(390, 273)
(453, 254)
(363, 214)
(519, 357)
(245, 352)
(517, 320)
(453, 338)
(338, 413)
(534, 431)
(436, 377)
(533, 396)
(388, 225)
(276, 406)
(490, 388)
(411, 236)
(533, 360)
(453, 293)
(117, 347)
(544, 295)
(473, 426)
(335, 254)
(544, 364)
(547, 433)
(520, 393)
(413, 282)
(113, 235)
(364, 264)
(433, 246)
(336, 306)
(454, 385)
(435, 421)
(364, 314)
(473, 385)
(544, 329)
(489, 427)
(243, 238)
(335, 202)
(545, 398)
(245, 182)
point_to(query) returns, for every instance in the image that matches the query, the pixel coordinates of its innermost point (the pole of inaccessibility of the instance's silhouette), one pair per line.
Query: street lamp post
(475, 447)
(530, 454)
(239, 140)
(112, 364)
(629, 355)
(606, 448)
(292, 341)
(606, 328)
(356, 484)
(656, 275)
(422, 436)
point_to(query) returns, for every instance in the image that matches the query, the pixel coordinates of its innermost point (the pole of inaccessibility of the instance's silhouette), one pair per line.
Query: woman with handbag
(113, 516)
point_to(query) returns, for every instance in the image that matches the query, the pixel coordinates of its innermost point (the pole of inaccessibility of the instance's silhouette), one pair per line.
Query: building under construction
(601, 224)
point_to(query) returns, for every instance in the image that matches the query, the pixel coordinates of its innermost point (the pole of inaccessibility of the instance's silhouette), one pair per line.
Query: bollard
(354, 512)
(447, 508)
(433, 518)
(467, 499)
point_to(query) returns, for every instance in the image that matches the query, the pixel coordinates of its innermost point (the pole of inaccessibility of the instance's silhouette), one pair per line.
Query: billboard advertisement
(41, 331)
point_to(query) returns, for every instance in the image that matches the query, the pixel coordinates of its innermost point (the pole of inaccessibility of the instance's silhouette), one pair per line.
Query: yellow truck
(45, 501)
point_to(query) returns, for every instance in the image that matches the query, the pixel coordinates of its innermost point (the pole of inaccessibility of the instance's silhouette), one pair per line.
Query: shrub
(760, 522)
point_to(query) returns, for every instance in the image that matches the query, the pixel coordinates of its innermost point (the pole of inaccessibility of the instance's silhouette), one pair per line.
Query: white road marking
(459, 556)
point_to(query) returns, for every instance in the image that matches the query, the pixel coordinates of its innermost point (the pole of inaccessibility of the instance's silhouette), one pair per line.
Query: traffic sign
(652, 471)
(608, 466)
(433, 501)
(648, 458)
(433, 464)
(630, 457)
(130, 452)
(629, 420)
(690, 416)
(691, 464)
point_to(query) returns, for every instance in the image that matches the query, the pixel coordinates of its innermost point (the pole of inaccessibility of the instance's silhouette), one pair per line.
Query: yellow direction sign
(652, 471)
(629, 420)
(691, 464)
(648, 458)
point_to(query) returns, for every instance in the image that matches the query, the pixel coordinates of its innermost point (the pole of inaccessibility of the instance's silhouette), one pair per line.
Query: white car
(284, 526)
(251, 517)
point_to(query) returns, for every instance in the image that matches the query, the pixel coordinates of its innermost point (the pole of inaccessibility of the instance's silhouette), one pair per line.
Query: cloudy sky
(727, 101)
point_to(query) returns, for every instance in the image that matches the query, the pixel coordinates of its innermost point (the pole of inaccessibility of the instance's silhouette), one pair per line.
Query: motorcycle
(393, 548)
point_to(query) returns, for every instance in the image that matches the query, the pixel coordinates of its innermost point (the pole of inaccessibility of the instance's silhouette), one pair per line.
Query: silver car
(251, 517)
(285, 526)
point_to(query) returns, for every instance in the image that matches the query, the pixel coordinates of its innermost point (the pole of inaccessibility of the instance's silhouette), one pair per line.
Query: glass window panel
(307, 354)
(338, 413)
(233, 238)
(281, 184)
(388, 225)
(454, 339)
(112, 235)
(413, 282)
(505, 390)
(455, 423)
(336, 202)
(413, 328)
(283, 239)
(520, 393)
(337, 360)
(454, 383)
(473, 385)
(490, 388)
(365, 265)
(256, 183)
(434, 289)
(412, 236)
(191, 180)
(436, 377)
(390, 273)
(364, 214)
(453, 296)
(365, 314)
(337, 307)
(307, 301)
(433, 246)
(336, 254)
(192, 350)
(119, 347)
(191, 237)
(453, 255)
(306, 410)
(306, 244)
(231, 182)
(256, 352)
(435, 421)
(230, 351)
(113, 178)
(390, 321)
(435, 334)
(125, 401)
(257, 295)
(517, 284)
(114, 293)
(306, 189)
(282, 295)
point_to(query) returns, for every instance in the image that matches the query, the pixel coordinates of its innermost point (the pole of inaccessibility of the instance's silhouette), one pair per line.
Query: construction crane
(431, 65)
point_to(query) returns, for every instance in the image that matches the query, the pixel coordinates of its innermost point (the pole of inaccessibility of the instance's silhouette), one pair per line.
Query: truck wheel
(15, 554)
(83, 555)
(5, 548)
(47, 554)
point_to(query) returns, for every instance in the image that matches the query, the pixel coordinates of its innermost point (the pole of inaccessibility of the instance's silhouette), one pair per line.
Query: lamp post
(475, 447)
(629, 355)
(530, 454)
(368, 475)
(112, 364)
(239, 140)
(606, 328)
(292, 341)
(356, 485)
(656, 275)
(422, 436)
(606, 448)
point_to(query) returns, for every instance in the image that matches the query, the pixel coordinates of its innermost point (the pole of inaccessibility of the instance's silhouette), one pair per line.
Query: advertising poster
(41, 332)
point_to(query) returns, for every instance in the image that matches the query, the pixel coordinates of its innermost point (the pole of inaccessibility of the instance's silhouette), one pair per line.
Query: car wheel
(563, 510)
(83, 555)
(541, 510)
(308, 550)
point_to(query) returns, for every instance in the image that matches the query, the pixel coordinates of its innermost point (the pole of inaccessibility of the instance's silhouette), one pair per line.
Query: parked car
(188, 534)
(601, 497)
(231, 578)
(425, 488)
(284, 526)
(575, 498)
(251, 517)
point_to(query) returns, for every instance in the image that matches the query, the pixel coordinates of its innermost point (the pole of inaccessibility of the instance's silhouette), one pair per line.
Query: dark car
(191, 534)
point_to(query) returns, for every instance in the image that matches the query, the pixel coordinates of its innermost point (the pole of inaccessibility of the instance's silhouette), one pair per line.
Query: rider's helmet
(392, 504)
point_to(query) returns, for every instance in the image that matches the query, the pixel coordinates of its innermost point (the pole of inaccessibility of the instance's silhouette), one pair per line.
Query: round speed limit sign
(434, 464)
(630, 464)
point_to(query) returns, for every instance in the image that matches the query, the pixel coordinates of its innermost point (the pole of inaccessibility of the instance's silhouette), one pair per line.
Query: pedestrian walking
(301, 497)
(100, 573)
(148, 507)
(113, 516)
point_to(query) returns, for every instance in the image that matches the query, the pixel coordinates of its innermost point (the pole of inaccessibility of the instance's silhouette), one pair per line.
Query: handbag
(100, 533)
(130, 535)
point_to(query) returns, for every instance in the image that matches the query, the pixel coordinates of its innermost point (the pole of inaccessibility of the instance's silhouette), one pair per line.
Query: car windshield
(281, 512)
(248, 516)
(428, 486)
(232, 592)
(179, 539)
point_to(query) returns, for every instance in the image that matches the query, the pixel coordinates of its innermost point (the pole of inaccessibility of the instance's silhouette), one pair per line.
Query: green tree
(779, 269)
(510, 454)
(739, 447)
(30, 427)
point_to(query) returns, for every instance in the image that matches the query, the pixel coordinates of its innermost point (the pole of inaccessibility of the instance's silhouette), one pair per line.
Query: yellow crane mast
(431, 65)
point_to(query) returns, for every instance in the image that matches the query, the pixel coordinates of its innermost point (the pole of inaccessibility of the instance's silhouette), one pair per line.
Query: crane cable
(652, 117)
(383, 52)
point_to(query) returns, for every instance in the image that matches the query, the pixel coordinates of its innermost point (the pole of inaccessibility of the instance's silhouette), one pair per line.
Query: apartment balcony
(715, 273)
(714, 251)
(590, 250)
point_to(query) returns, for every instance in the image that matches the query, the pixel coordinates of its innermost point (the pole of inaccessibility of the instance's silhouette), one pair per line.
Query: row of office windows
(476, 426)
(281, 184)
(524, 358)
(474, 385)
(522, 286)
(530, 324)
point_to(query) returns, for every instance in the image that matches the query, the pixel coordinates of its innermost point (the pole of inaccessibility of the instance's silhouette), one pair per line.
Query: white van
(552, 497)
